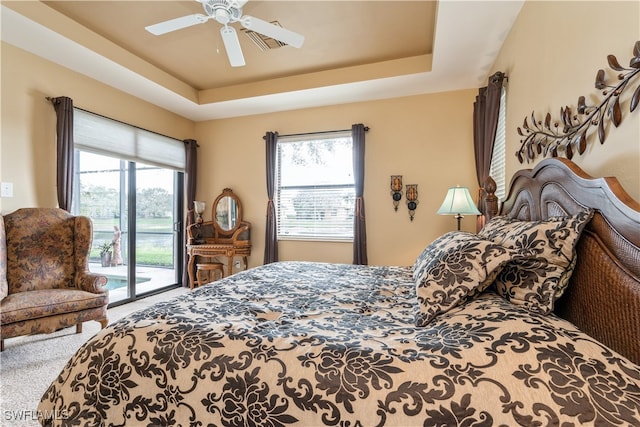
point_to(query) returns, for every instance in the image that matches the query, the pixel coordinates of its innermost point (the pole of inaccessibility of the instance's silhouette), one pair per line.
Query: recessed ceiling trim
(455, 65)
(39, 29)
(321, 79)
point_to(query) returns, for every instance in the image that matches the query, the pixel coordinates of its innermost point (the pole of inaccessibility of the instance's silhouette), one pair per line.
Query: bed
(302, 343)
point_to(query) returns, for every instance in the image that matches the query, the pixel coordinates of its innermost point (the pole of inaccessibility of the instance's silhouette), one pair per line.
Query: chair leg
(79, 328)
(1, 344)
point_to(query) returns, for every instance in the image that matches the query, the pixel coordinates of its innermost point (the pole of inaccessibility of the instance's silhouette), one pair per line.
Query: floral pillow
(453, 269)
(539, 276)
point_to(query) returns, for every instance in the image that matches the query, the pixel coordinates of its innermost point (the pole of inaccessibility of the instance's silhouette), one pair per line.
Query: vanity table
(227, 235)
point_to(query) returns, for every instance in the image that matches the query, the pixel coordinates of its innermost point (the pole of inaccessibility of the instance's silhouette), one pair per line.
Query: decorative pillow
(453, 269)
(540, 275)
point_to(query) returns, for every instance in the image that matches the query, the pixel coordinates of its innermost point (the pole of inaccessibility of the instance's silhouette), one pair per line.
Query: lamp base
(459, 218)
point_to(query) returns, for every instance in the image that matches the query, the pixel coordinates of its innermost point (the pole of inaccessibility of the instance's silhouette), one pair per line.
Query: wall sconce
(396, 190)
(412, 199)
(457, 202)
(199, 208)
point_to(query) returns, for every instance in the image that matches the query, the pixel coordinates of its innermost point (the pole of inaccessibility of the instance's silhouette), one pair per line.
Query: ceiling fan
(227, 12)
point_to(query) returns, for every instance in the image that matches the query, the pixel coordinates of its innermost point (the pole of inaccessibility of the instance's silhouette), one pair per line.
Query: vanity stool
(203, 270)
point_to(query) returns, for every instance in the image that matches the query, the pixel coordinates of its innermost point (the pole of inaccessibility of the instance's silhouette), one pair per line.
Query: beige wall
(28, 121)
(412, 136)
(427, 139)
(552, 55)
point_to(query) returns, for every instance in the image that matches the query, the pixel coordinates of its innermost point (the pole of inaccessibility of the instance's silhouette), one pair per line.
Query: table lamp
(458, 202)
(199, 208)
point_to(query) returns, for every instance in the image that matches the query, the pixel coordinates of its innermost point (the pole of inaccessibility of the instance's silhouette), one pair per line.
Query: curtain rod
(48, 98)
(366, 128)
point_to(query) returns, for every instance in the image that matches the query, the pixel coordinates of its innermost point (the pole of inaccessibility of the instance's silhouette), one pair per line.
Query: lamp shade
(458, 201)
(199, 207)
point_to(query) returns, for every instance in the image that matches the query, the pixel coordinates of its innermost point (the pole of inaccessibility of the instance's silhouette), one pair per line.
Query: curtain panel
(271, 233)
(190, 171)
(359, 225)
(486, 109)
(64, 150)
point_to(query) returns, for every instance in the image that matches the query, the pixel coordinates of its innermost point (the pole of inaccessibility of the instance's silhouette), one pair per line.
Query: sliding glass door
(156, 215)
(135, 211)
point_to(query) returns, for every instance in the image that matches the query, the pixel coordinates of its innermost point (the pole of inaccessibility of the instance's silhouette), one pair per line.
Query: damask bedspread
(310, 344)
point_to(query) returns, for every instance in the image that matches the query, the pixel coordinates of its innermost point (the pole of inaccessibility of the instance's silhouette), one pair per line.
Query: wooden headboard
(603, 297)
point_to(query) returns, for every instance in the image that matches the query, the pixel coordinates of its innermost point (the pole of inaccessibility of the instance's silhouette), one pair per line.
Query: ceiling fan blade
(273, 31)
(176, 24)
(238, 3)
(232, 46)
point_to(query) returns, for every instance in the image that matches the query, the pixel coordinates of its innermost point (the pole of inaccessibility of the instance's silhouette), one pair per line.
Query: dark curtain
(64, 150)
(359, 225)
(486, 109)
(271, 234)
(191, 151)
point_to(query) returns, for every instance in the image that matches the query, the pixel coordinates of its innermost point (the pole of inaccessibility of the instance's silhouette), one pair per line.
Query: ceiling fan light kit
(228, 12)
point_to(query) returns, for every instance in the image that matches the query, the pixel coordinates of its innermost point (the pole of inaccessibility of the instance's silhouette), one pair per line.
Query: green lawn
(143, 224)
(146, 255)
(154, 240)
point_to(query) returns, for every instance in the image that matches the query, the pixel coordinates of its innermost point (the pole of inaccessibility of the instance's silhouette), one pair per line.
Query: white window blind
(499, 156)
(104, 136)
(315, 194)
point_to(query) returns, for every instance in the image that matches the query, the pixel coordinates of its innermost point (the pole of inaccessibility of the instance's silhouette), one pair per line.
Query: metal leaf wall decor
(569, 135)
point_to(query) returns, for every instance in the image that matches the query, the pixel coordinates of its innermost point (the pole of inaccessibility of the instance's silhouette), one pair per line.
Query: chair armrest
(91, 282)
(83, 278)
(4, 285)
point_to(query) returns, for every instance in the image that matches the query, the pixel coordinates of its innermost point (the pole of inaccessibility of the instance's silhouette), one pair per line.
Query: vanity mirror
(227, 211)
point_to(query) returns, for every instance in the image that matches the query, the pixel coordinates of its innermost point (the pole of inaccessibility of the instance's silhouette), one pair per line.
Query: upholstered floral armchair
(45, 283)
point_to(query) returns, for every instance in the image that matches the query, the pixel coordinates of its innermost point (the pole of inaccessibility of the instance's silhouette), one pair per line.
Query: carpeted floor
(29, 364)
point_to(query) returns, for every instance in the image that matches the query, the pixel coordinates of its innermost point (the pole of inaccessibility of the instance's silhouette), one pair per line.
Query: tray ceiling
(353, 50)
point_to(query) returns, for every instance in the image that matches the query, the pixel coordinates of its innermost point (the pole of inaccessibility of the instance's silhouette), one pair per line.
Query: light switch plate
(6, 189)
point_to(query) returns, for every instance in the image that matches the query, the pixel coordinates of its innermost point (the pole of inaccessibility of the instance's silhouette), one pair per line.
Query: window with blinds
(315, 193)
(499, 156)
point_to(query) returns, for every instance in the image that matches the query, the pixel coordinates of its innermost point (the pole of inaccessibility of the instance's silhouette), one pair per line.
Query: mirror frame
(227, 192)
